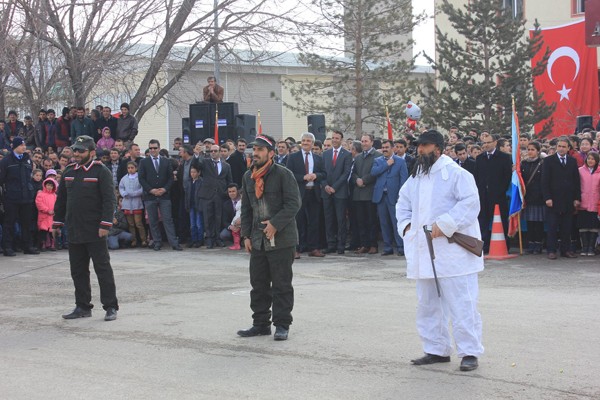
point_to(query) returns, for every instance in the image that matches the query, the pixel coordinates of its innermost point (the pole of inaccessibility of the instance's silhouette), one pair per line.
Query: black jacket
(561, 184)
(237, 162)
(150, 179)
(468, 164)
(295, 163)
(533, 190)
(85, 201)
(493, 177)
(15, 176)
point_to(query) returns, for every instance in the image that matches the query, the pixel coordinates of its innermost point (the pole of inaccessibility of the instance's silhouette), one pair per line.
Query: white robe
(447, 196)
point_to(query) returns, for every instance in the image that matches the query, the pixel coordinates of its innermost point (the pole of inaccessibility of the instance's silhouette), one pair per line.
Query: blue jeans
(113, 241)
(389, 225)
(196, 226)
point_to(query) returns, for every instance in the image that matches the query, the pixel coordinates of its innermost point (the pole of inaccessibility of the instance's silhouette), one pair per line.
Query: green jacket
(280, 204)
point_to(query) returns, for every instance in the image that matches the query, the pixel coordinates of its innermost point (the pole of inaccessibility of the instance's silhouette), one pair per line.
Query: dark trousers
(335, 222)
(559, 226)
(486, 215)
(152, 207)
(535, 231)
(271, 280)
(307, 220)
(14, 212)
(212, 209)
(389, 225)
(366, 213)
(79, 258)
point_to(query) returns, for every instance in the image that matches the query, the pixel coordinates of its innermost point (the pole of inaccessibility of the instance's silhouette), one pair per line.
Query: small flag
(389, 124)
(259, 124)
(517, 192)
(216, 126)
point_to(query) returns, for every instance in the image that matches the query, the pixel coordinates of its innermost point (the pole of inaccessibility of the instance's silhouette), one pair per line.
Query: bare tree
(7, 16)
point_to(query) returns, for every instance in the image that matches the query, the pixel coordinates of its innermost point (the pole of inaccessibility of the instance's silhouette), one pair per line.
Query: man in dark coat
(237, 162)
(463, 158)
(85, 203)
(270, 202)
(561, 189)
(308, 170)
(335, 193)
(19, 195)
(493, 171)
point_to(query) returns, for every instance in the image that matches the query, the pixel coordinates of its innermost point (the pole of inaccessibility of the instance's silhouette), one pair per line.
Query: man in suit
(308, 170)
(283, 149)
(561, 189)
(364, 183)
(493, 171)
(337, 162)
(237, 162)
(216, 177)
(400, 147)
(463, 158)
(156, 177)
(391, 173)
(135, 155)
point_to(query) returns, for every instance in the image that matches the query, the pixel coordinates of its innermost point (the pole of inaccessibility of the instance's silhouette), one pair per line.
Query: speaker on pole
(245, 127)
(584, 121)
(316, 126)
(185, 130)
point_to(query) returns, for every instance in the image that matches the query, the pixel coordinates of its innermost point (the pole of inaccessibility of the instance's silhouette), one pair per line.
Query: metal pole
(217, 57)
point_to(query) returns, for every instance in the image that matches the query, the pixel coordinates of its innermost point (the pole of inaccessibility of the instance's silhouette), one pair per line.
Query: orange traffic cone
(498, 249)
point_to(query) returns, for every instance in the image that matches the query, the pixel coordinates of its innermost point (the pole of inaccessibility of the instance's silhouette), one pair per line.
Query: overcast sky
(424, 34)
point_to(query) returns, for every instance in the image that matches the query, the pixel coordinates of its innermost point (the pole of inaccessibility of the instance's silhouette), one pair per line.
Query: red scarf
(258, 174)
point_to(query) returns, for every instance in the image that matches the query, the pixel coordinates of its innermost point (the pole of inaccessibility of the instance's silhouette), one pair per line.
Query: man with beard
(86, 203)
(270, 201)
(81, 125)
(443, 196)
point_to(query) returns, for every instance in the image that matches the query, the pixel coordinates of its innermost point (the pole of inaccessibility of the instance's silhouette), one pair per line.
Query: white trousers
(457, 304)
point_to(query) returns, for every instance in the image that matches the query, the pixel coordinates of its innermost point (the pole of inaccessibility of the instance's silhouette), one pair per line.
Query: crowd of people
(191, 194)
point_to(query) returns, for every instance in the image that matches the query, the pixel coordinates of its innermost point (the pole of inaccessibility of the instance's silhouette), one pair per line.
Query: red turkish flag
(571, 76)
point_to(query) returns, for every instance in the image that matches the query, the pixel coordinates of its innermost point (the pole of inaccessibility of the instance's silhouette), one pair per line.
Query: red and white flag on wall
(571, 76)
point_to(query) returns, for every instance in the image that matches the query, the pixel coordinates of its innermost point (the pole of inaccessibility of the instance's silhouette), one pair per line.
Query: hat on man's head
(431, 136)
(264, 141)
(84, 142)
(209, 140)
(17, 141)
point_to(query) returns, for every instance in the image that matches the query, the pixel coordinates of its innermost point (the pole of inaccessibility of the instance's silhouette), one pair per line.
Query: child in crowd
(117, 235)
(51, 173)
(587, 214)
(106, 142)
(133, 207)
(193, 205)
(44, 202)
(37, 182)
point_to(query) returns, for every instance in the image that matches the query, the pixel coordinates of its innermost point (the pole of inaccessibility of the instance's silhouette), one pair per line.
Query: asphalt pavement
(352, 338)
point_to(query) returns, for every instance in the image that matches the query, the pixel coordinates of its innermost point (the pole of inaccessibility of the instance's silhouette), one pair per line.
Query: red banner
(571, 76)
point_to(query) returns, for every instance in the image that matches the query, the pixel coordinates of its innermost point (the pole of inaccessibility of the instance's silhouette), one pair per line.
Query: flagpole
(216, 133)
(388, 124)
(519, 215)
(259, 123)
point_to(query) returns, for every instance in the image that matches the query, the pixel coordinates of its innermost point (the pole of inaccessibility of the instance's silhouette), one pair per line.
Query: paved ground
(353, 335)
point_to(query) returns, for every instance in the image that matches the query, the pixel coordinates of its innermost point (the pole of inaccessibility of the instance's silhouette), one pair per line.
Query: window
(515, 7)
(578, 7)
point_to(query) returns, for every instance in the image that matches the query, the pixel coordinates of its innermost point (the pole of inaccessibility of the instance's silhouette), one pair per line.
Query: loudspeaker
(316, 126)
(584, 121)
(245, 127)
(202, 121)
(185, 130)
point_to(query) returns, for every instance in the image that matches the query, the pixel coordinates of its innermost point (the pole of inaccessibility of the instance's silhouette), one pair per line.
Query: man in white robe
(443, 196)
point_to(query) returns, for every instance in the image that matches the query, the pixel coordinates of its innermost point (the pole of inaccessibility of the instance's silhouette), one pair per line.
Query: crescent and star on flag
(568, 52)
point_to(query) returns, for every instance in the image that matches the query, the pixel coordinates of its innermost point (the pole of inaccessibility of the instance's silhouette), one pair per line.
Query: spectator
(107, 121)
(212, 93)
(463, 159)
(587, 215)
(237, 161)
(283, 149)
(400, 147)
(177, 143)
(134, 155)
(29, 133)
(132, 205)
(561, 189)
(127, 125)
(50, 131)
(535, 208)
(44, 202)
(106, 142)
(231, 217)
(585, 146)
(82, 125)
(193, 205)
(117, 234)
(63, 133)
(13, 127)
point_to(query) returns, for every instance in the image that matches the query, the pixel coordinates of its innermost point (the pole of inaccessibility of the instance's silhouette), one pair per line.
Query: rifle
(432, 256)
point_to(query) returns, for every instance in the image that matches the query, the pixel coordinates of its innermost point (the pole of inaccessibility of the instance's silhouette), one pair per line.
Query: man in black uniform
(86, 203)
(270, 201)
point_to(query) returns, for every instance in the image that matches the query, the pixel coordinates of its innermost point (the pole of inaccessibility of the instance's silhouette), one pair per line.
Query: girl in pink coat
(587, 215)
(44, 202)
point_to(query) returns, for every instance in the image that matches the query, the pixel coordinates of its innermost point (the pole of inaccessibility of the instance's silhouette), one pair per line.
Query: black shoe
(255, 331)
(430, 359)
(9, 253)
(78, 312)
(190, 244)
(111, 314)
(341, 252)
(33, 250)
(197, 245)
(156, 247)
(280, 333)
(178, 248)
(219, 243)
(352, 248)
(329, 251)
(388, 253)
(469, 363)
